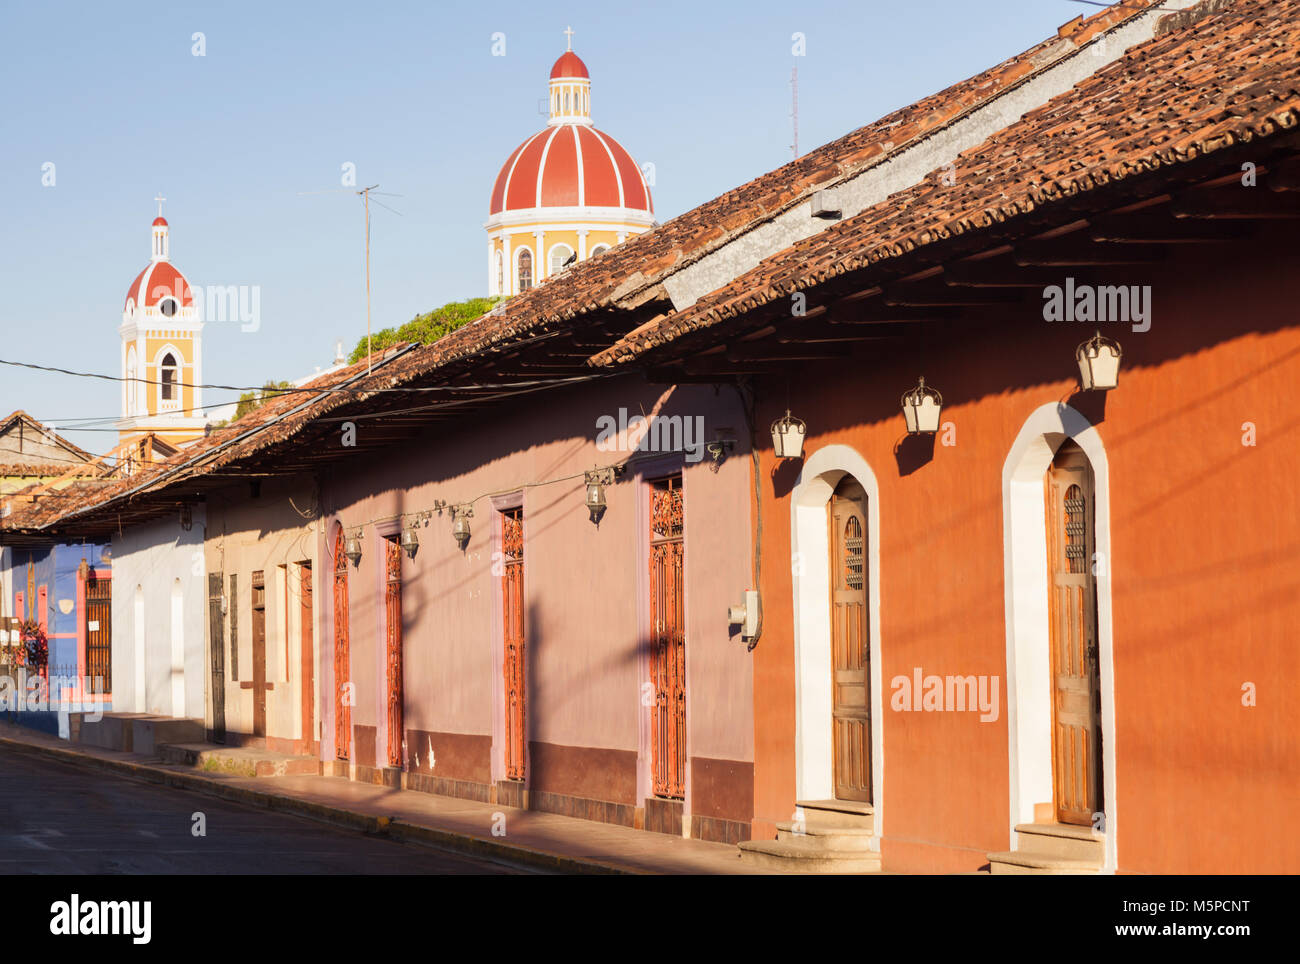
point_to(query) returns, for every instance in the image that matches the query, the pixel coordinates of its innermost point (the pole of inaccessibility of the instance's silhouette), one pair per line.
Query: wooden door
(851, 713)
(99, 632)
(393, 647)
(1076, 684)
(342, 662)
(512, 591)
(307, 654)
(217, 657)
(259, 654)
(668, 639)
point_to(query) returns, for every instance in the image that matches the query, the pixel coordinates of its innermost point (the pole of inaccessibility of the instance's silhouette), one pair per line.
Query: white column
(582, 244)
(539, 259)
(492, 275)
(509, 271)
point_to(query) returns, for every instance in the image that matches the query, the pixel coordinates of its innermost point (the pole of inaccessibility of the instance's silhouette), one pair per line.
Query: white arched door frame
(810, 566)
(1029, 700)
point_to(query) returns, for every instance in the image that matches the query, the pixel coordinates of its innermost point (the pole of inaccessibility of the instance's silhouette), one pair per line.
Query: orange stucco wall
(1204, 530)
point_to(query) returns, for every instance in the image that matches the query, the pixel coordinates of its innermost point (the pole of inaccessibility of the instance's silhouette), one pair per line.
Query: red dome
(160, 220)
(569, 65)
(157, 281)
(570, 165)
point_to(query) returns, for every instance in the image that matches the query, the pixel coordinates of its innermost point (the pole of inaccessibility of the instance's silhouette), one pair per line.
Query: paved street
(62, 819)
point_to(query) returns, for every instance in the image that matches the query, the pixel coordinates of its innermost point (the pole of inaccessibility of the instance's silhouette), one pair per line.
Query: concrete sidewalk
(545, 840)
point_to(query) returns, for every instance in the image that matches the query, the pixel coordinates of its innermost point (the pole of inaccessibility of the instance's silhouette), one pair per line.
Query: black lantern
(1098, 360)
(460, 527)
(921, 408)
(352, 548)
(596, 481)
(787, 436)
(410, 542)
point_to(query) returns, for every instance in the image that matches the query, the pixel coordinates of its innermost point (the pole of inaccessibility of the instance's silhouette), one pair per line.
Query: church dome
(570, 165)
(160, 285)
(568, 193)
(569, 65)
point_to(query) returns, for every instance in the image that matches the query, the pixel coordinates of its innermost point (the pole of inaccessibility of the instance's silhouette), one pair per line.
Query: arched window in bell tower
(168, 377)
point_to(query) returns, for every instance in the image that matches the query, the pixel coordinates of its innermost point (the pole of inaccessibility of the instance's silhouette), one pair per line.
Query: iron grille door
(512, 584)
(99, 631)
(393, 626)
(342, 671)
(668, 640)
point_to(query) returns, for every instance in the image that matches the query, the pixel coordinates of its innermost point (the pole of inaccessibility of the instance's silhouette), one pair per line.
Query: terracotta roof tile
(1227, 78)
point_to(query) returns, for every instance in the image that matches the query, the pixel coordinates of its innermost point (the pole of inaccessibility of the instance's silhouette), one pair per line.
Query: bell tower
(161, 335)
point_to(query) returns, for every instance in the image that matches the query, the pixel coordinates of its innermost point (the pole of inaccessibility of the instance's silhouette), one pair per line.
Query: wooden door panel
(1072, 611)
(393, 643)
(342, 661)
(217, 654)
(850, 650)
(259, 655)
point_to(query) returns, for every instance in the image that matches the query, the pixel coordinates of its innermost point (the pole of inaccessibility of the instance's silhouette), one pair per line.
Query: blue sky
(410, 93)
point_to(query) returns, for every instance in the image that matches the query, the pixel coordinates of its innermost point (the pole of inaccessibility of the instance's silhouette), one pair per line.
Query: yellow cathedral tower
(161, 330)
(567, 193)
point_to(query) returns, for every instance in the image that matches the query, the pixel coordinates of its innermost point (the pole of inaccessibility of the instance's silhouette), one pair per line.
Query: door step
(823, 837)
(1052, 848)
(237, 761)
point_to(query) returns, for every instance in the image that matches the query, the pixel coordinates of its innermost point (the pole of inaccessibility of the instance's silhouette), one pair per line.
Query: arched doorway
(1060, 679)
(835, 541)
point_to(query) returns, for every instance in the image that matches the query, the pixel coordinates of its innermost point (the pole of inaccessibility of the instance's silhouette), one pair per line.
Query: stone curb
(339, 816)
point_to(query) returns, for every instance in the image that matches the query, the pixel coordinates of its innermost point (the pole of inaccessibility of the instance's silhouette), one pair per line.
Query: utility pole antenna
(365, 193)
(794, 113)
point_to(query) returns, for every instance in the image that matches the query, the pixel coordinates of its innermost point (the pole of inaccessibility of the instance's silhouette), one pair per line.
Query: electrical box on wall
(746, 616)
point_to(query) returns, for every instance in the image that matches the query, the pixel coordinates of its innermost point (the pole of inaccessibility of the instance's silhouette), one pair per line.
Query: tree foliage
(248, 401)
(427, 328)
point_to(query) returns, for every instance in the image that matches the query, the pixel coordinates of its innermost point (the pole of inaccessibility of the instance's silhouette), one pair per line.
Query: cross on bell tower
(160, 200)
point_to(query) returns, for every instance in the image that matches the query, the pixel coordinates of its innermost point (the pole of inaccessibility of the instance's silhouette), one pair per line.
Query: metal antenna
(365, 193)
(794, 113)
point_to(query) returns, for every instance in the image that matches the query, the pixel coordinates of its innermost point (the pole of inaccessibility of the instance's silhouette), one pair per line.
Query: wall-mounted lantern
(787, 436)
(352, 548)
(1098, 360)
(460, 527)
(410, 541)
(921, 408)
(596, 481)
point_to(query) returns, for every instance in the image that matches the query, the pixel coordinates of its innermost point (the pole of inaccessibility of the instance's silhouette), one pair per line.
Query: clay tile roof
(1225, 74)
(634, 268)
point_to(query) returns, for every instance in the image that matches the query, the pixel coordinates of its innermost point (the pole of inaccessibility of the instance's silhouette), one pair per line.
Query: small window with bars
(1076, 530)
(667, 511)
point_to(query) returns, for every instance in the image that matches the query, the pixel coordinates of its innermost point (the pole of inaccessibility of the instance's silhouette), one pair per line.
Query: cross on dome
(160, 200)
(568, 34)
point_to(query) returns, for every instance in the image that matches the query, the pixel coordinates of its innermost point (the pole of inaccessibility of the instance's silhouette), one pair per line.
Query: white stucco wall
(153, 557)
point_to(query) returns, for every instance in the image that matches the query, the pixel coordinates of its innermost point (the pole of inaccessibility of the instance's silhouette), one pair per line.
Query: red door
(668, 640)
(342, 664)
(512, 591)
(393, 624)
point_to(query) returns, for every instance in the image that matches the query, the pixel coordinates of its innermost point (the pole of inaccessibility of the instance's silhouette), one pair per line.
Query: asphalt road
(61, 819)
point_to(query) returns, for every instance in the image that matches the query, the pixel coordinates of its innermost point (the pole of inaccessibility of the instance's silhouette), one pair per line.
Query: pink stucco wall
(584, 599)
